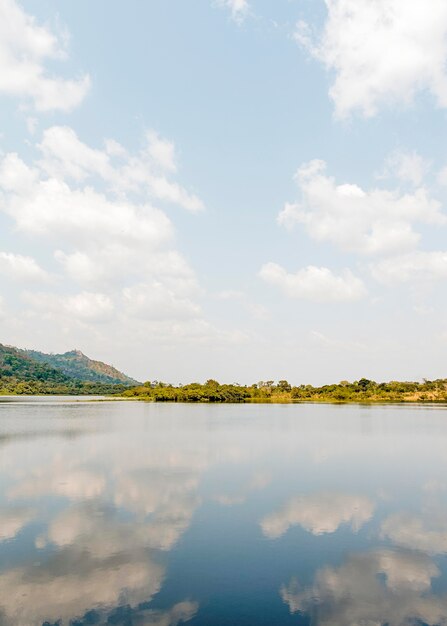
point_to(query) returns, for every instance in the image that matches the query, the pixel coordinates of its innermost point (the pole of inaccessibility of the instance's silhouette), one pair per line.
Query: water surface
(149, 514)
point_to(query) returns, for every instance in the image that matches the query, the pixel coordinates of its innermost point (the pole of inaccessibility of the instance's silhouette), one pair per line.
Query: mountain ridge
(79, 366)
(33, 372)
(16, 365)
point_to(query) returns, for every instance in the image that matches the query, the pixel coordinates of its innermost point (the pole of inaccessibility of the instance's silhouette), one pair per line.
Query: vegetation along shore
(27, 372)
(362, 390)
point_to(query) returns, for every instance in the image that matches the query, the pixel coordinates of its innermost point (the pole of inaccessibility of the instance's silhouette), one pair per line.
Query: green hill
(15, 365)
(30, 372)
(78, 366)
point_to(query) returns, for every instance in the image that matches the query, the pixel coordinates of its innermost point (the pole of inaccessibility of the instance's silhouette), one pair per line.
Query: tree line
(363, 390)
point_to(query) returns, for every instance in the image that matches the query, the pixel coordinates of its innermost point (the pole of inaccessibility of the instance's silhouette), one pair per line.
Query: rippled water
(142, 514)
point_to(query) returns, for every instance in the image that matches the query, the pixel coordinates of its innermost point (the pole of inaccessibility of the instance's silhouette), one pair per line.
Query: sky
(243, 190)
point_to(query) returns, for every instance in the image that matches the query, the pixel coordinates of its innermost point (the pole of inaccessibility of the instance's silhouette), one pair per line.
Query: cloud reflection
(106, 520)
(426, 532)
(74, 581)
(101, 562)
(13, 520)
(380, 587)
(319, 513)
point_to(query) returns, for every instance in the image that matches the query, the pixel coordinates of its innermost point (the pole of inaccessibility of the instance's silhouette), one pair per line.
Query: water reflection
(107, 512)
(381, 587)
(426, 532)
(13, 519)
(319, 513)
(136, 514)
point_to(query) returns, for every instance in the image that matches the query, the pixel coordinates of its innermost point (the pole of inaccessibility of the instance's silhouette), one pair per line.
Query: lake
(137, 514)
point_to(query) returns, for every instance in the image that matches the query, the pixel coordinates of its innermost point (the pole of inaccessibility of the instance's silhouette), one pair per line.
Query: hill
(29, 372)
(78, 366)
(15, 365)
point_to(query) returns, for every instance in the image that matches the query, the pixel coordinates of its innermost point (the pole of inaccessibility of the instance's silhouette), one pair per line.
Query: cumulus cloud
(162, 151)
(380, 587)
(406, 55)
(25, 47)
(442, 176)
(65, 156)
(49, 206)
(409, 167)
(255, 310)
(85, 306)
(238, 8)
(319, 513)
(158, 302)
(318, 284)
(21, 268)
(413, 267)
(95, 207)
(357, 220)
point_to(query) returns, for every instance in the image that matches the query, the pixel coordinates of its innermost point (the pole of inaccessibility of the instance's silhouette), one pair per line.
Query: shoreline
(114, 398)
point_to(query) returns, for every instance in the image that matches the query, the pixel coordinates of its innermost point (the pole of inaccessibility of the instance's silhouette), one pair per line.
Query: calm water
(142, 514)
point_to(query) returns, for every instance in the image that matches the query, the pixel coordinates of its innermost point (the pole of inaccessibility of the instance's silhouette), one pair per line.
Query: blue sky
(244, 190)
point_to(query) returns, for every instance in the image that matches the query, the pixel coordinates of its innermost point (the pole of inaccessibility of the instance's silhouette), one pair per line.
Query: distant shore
(363, 391)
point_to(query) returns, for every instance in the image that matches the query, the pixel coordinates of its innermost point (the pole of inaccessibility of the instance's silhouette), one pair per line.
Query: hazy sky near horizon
(238, 189)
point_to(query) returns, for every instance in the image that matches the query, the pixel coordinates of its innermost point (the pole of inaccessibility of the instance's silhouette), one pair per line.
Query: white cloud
(442, 176)
(239, 8)
(118, 270)
(16, 176)
(158, 302)
(324, 341)
(414, 267)
(406, 166)
(162, 151)
(52, 208)
(366, 222)
(21, 268)
(382, 52)
(319, 513)
(24, 49)
(31, 124)
(94, 207)
(90, 306)
(65, 156)
(317, 284)
(119, 263)
(255, 310)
